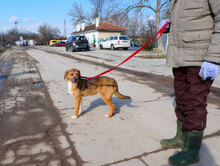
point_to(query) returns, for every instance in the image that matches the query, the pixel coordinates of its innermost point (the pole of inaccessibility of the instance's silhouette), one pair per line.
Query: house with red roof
(95, 33)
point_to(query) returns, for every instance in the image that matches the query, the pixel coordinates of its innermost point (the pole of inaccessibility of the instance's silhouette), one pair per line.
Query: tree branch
(139, 6)
(161, 6)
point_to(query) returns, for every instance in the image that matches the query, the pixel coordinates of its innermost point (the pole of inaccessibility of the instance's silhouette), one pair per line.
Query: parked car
(60, 44)
(78, 42)
(134, 46)
(52, 42)
(39, 43)
(115, 42)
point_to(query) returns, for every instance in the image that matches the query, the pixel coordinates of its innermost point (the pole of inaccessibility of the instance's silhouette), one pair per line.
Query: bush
(2, 49)
(150, 46)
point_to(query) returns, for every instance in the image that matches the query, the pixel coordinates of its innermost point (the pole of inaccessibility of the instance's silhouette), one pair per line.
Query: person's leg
(195, 100)
(193, 111)
(179, 87)
(180, 84)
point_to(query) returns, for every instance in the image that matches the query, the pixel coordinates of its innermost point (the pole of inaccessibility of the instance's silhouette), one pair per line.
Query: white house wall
(99, 36)
(104, 35)
(90, 37)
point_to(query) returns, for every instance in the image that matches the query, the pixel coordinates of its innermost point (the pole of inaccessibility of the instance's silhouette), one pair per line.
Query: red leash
(153, 39)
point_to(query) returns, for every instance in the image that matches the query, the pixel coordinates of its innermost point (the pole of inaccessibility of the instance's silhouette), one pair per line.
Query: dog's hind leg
(108, 100)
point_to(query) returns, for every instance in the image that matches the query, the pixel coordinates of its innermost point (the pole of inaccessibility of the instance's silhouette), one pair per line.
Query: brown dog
(79, 88)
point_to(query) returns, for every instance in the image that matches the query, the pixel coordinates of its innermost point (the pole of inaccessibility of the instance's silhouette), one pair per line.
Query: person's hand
(208, 70)
(162, 23)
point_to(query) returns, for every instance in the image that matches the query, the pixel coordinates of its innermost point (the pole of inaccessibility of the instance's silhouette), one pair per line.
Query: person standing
(194, 55)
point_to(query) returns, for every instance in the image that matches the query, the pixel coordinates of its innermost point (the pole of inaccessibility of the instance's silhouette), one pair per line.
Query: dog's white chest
(69, 87)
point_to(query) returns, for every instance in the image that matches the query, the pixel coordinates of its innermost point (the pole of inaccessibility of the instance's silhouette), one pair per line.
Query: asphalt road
(36, 113)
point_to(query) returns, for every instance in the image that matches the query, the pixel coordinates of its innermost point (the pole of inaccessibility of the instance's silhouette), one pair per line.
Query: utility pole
(16, 22)
(64, 28)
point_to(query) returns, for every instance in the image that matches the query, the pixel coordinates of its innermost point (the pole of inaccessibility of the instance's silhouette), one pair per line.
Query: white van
(115, 42)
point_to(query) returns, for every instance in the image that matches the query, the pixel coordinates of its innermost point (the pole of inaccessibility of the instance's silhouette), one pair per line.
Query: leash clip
(84, 78)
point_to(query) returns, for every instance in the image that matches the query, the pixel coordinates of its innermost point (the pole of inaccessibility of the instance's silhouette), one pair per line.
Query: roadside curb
(96, 60)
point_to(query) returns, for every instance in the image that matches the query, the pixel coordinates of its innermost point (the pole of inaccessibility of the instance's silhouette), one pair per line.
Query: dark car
(134, 47)
(77, 43)
(59, 44)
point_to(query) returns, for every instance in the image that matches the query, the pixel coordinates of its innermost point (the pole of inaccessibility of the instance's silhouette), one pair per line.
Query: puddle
(32, 71)
(4, 70)
(28, 64)
(5, 63)
(1, 83)
(38, 83)
(37, 86)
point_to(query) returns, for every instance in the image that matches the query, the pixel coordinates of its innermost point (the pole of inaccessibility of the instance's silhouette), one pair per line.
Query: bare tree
(2, 39)
(47, 33)
(134, 28)
(79, 15)
(102, 9)
(145, 4)
(12, 35)
(151, 28)
(98, 11)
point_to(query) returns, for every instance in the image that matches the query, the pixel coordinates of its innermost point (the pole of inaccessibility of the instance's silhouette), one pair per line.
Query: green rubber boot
(177, 141)
(190, 153)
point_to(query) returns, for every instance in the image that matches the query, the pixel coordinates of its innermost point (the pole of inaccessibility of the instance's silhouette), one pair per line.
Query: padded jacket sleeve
(213, 53)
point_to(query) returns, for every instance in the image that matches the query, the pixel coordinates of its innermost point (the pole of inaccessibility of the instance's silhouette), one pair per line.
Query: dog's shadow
(116, 101)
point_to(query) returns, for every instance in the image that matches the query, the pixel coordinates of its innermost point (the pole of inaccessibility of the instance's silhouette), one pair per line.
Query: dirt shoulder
(31, 129)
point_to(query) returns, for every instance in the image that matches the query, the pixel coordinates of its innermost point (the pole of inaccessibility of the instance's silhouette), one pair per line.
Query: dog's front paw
(74, 117)
(108, 116)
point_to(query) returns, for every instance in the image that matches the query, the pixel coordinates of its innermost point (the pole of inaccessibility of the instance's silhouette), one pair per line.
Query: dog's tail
(120, 96)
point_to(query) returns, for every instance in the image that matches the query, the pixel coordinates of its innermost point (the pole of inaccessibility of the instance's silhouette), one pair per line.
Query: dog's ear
(66, 73)
(78, 72)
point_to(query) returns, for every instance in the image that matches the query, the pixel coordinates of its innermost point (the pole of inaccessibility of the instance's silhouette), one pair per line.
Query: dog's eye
(71, 74)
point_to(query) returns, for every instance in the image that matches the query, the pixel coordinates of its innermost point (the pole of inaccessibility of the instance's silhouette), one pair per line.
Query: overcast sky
(31, 13)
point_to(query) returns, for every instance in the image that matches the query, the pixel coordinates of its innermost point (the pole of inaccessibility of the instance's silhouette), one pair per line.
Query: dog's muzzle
(75, 81)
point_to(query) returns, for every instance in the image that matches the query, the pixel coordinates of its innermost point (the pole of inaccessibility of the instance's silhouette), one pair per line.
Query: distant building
(23, 42)
(99, 31)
